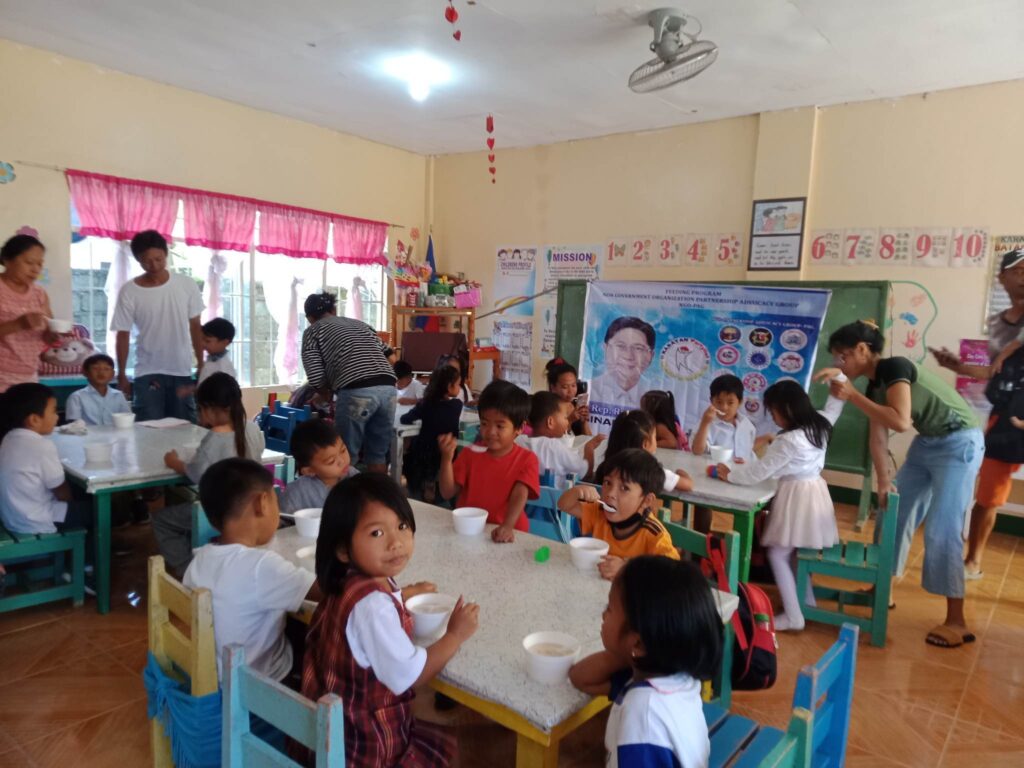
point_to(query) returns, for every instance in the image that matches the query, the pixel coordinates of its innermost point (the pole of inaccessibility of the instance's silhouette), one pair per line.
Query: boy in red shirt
(499, 475)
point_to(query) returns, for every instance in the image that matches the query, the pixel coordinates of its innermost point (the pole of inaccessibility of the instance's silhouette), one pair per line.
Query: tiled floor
(71, 690)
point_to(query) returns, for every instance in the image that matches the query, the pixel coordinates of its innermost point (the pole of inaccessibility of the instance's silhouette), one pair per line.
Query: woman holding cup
(24, 311)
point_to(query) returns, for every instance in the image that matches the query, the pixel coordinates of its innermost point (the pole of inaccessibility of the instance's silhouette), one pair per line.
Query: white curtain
(212, 289)
(286, 283)
(354, 305)
(123, 268)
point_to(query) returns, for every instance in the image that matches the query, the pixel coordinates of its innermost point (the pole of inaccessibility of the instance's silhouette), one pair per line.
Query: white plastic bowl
(58, 326)
(98, 453)
(587, 552)
(123, 420)
(469, 521)
(549, 656)
(307, 522)
(430, 613)
(720, 454)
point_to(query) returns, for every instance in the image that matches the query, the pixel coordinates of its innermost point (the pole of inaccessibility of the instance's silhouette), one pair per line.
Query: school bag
(754, 654)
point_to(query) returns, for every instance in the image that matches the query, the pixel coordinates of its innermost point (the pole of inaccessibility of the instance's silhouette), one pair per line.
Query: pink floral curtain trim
(359, 242)
(219, 223)
(294, 232)
(117, 208)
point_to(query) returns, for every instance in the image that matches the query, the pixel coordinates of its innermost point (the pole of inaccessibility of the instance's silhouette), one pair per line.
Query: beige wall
(67, 113)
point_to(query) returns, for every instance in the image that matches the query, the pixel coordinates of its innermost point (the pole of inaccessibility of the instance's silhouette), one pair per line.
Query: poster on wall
(570, 262)
(547, 313)
(639, 336)
(777, 233)
(974, 352)
(515, 273)
(515, 340)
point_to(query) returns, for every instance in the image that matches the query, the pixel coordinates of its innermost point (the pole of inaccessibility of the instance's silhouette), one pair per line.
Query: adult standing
(995, 480)
(164, 307)
(24, 308)
(347, 357)
(936, 481)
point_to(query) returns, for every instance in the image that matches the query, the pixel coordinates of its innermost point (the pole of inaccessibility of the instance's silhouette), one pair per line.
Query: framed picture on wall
(777, 233)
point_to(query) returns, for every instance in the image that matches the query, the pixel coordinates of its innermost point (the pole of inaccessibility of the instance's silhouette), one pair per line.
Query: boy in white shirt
(97, 403)
(253, 588)
(551, 440)
(410, 391)
(217, 337)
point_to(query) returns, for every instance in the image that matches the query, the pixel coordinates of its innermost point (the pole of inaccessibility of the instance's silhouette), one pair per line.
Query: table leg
(101, 564)
(397, 445)
(743, 524)
(532, 754)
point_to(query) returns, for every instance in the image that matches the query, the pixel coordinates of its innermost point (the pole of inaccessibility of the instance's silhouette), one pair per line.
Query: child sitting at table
(253, 588)
(230, 435)
(321, 460)
(359, 643)
(656, 655)
(438, 413)
(217, 337)
(624, 512)
(97, 403)
(410, 391)
(660, 405)
(635, 429)
(551, 439)
(497, 475)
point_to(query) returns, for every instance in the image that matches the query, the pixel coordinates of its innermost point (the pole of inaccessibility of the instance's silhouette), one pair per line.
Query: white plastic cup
(720, 454)
(123, 420)
(469, 521)
(430, 612)
(58, 326)
(98, 453)
(549, 655)
(586, 552)
(307, 522)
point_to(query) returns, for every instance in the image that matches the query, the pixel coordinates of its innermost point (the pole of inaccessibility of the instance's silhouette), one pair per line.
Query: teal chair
(319, 726)
(202, 531)
(48, 548)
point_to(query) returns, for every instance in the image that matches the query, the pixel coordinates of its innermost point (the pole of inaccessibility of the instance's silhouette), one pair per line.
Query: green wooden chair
(869, 564)
(30, 547)
(696, 544)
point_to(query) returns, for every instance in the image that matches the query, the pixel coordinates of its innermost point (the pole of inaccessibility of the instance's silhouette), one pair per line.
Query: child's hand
(587, 493)
(503, 535)
(1017, 422)
(463, 621)
(171, 460)
(419, 588)
(591, 446)
(710, 414)
(609, 566)
(447, 444)
(722, 470)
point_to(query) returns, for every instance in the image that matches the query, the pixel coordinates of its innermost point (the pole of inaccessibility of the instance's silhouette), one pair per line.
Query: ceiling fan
(677, 60)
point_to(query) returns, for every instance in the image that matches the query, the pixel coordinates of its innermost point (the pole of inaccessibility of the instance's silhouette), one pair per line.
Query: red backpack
(754, 661)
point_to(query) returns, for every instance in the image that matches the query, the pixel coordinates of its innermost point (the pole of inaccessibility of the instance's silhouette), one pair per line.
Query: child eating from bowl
(622, 513)
(499, 475)
(252, 587)
(322, 460)
(550, 418)
(97, 403)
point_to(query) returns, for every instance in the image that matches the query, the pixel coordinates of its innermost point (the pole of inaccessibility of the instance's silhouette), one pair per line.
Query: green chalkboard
(848, 450)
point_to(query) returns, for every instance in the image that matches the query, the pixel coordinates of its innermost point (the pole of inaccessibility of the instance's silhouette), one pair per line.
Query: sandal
(945, 636)
(973, 575)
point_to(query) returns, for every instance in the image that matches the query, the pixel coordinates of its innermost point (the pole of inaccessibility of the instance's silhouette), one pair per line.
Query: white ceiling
(548, 70)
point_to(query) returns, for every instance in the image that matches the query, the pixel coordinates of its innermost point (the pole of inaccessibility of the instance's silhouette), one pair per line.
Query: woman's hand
(945, 358)
(841, 388)
(826, 374)
(609, 566)
(582, 413)
(32, 321)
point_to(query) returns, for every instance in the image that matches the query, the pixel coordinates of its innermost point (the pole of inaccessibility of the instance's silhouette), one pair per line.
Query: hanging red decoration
(490, 143)
(490, 124)
(452, 16)
(490, 158)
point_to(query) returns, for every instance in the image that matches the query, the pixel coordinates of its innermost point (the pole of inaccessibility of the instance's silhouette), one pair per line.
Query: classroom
(723, 298)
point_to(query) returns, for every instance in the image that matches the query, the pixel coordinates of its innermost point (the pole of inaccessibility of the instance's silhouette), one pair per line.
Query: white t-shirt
(222, 364)
(556, 455)
(414, 390)
(378, 642)
(161, 315)
(658, 722)
(739, 436)
(30, 469)
(671, 479)
(252, 591)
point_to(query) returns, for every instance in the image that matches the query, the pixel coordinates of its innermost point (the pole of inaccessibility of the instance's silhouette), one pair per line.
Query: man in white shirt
(164, 308)
(628, 352)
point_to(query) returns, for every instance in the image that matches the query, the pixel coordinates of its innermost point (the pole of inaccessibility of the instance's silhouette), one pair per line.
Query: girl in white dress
(802, 514)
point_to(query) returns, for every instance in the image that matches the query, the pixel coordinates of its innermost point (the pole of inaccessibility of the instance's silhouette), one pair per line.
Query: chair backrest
(319, 726)
(279, 423)
(793, 750)
(202, 530)
(826, 690)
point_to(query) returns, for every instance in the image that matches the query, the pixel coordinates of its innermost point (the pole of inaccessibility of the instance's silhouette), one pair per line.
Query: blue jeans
(157, 395)
(936, 487)
(365, 418)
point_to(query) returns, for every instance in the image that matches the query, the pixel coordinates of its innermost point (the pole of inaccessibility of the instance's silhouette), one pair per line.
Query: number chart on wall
(719, 249)
(957, 247)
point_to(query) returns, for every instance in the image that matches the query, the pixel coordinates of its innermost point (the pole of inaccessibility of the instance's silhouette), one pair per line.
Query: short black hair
(622, 323)
(440, 382)
(344, 505)
(631, 429)
(543, 405)
(227, 486)
(92, 360)
(219, 328)
(402, 369)
(634, 465)
(308, 437)
(852, 334)
(319, 304)
(21, 401)
(146, 239)
(727, 384)
(18, 245)
(670, 605)
(506, 398)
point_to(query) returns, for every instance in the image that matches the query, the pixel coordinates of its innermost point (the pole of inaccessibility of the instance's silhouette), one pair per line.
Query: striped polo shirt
(342, 353)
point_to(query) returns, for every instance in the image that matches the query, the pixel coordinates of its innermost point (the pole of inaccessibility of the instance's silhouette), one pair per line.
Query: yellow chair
(171, 607)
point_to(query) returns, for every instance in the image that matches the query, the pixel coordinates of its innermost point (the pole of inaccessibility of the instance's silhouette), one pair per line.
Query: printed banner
(974, 352)
(515, 340)
(515, 273)
(571, 262)
(547, 312)
(679, 336)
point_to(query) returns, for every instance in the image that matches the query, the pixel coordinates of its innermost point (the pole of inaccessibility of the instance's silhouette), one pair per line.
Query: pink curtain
(360, 242)
(117, 208)
(294, 232)
(218, 222)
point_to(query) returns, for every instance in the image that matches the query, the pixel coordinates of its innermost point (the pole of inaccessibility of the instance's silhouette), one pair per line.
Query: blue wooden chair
(202, 530)
(317, 726)
(278, 424)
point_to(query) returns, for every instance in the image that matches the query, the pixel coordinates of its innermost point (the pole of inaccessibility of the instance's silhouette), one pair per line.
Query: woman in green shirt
(936, 482)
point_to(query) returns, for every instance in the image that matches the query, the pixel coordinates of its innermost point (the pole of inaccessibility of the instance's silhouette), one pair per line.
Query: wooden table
(402, 431)
(517, 596)
(137, 462)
